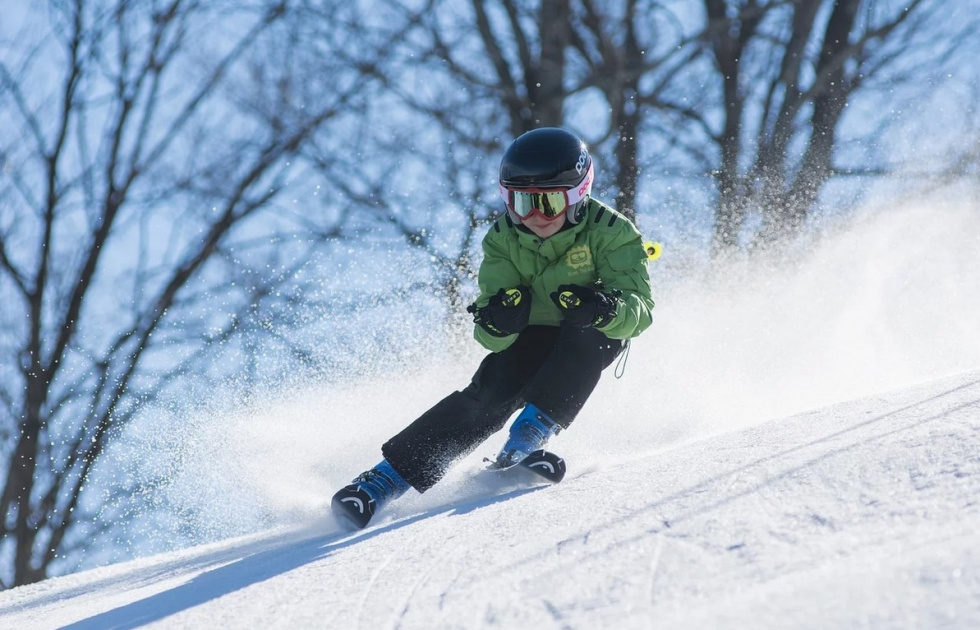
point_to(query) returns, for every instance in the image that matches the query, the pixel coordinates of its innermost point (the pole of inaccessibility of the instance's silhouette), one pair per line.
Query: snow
(858, 515)
(794, 448)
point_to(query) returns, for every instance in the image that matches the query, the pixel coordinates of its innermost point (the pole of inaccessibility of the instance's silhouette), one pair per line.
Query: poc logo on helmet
(583, 157)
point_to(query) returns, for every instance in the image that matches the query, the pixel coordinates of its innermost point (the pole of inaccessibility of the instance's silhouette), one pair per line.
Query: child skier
(563, 285)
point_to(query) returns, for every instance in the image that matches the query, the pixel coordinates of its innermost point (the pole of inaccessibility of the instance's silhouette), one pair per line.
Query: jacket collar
(553, 247)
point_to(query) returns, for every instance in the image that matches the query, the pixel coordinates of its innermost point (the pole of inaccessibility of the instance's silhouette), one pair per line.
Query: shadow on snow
(259, 567)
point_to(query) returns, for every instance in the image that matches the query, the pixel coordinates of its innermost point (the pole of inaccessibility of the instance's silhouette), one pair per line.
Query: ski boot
(530, 432)
(356, 504)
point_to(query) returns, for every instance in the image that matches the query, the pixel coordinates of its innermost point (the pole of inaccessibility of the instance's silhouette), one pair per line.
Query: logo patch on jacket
(579, 257)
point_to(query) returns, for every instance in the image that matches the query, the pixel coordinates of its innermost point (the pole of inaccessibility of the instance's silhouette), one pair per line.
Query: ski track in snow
(859, 515)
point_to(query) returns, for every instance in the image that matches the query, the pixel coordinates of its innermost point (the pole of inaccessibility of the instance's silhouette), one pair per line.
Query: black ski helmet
(548, 157)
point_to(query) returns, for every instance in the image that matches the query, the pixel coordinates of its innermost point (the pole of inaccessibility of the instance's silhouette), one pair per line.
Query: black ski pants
(555, 368)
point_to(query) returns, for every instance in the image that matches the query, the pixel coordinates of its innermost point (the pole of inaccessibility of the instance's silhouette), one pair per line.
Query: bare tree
(747, 101)
(521, 62)
(144, 149)
(619, 49)
(787, 72)
(474, 77)
(426, 152)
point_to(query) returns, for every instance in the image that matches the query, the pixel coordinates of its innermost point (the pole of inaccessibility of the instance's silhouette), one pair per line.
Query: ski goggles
(550, 203)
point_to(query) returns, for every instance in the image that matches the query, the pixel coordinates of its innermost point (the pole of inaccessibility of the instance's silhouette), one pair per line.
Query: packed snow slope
(791, 446)
(863, 514)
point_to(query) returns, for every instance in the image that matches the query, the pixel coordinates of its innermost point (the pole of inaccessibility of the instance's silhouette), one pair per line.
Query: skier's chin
(544, 227)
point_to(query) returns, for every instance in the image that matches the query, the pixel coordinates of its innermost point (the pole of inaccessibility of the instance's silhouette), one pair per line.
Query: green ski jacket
(603, 251)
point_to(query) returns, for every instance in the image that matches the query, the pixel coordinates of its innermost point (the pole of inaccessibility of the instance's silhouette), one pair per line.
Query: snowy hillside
(720, 483)
(859, 515)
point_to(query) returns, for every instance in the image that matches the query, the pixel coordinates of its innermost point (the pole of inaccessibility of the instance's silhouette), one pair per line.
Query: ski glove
(506, 313)
(583, 307)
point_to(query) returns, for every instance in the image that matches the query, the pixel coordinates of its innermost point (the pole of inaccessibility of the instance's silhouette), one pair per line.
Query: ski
(353, 507)
(544, 465)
